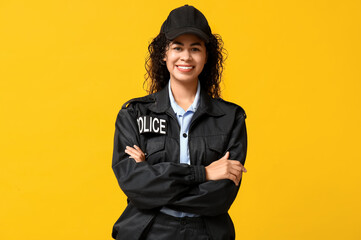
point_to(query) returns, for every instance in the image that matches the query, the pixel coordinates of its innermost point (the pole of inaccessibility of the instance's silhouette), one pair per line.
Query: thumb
(226, 156)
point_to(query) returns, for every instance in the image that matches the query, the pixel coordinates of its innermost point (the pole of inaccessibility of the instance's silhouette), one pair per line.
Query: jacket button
(184, 135)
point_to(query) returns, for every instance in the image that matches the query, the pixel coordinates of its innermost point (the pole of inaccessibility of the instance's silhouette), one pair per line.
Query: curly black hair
(157, 75)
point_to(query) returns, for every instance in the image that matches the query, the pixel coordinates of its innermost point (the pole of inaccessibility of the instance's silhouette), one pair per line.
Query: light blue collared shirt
(184, 119)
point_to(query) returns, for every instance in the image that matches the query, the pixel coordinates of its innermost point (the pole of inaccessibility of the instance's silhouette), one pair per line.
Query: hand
(136, 153)
(225, 168)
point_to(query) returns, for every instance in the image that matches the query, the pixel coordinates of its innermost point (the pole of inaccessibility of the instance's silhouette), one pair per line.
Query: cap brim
(177, 32)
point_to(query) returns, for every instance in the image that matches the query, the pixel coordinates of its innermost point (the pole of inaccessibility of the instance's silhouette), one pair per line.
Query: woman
(179, 152)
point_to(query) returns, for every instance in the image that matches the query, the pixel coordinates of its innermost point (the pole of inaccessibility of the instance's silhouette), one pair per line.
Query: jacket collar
(207, 104)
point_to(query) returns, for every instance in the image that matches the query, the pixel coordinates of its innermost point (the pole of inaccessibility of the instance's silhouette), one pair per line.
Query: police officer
(179, 151)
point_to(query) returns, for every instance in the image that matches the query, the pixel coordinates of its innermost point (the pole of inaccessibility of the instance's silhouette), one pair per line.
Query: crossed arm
(223, 168)
(201, 190)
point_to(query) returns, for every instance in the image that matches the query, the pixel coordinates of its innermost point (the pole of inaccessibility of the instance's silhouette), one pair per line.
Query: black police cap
(186, 19)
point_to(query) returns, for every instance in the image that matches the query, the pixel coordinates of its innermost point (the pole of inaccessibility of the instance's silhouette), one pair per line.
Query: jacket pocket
(215, 148)
(155, 150)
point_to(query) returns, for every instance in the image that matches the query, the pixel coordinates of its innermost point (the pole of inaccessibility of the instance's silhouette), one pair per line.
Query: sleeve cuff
(198, 174)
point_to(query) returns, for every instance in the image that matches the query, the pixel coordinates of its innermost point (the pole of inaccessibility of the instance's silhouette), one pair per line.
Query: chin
(186, 79)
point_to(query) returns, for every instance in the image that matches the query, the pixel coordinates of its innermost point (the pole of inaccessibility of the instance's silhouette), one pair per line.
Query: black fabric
(186, 19)
(216, 127)
(173, 228)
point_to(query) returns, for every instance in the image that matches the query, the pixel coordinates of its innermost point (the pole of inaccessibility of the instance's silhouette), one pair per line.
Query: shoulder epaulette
(146, 99)
(242, 110)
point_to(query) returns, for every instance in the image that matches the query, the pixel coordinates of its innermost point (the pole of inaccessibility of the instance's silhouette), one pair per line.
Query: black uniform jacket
(216, 127)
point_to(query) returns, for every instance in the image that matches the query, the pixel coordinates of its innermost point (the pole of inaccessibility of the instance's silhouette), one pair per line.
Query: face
(185, 58)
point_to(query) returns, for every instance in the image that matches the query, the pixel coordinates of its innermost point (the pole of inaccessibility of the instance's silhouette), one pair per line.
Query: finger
(236, 166)
(239, 177)
(137, 159)
(243, 168)
(233, 178)
(226, 156)
(138, 154)
(138, 149)
(239, 168)
(237, 163)
(130, 148)
(142, 154)
(236, 173)
(129, 153)
(236, 181)
(132, 153)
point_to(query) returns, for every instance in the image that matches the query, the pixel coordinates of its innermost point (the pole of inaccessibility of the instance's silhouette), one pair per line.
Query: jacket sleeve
(148, 186)
(212, 198)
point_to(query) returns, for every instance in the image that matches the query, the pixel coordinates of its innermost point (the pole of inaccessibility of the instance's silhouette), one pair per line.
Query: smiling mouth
(184, 67)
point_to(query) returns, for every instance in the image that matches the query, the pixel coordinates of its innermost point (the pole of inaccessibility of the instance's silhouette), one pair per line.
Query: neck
(184, 93)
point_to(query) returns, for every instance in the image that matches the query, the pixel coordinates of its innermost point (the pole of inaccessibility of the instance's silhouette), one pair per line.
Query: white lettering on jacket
(148, 124)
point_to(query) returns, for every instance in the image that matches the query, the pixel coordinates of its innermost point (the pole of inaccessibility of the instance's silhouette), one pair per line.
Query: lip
(187, 69)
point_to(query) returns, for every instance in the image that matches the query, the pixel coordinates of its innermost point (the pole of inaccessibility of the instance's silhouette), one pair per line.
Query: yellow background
(66, 67)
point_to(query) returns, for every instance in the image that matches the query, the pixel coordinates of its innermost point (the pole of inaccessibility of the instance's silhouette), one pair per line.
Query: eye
(177, 48)
(195, 49)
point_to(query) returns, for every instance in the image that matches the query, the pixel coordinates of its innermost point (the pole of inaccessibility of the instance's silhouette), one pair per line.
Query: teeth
(185, 67)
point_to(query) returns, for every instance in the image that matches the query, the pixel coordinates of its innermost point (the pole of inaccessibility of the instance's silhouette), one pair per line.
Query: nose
(186, 56)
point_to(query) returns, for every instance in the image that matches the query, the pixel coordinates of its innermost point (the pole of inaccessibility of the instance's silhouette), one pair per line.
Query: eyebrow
(193, 44)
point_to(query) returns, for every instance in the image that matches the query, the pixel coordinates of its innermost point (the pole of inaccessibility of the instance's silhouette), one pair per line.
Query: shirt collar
(176, 108)
(207, 105)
